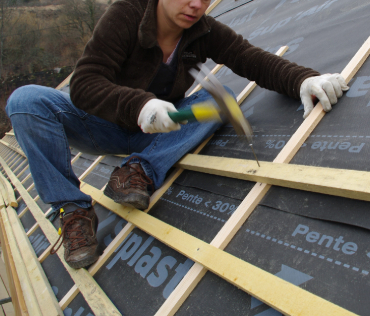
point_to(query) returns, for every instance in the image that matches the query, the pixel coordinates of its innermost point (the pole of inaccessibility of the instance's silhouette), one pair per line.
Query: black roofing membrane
(27, 220)
(19, 162)
(141, 274)
(327, 259)
(24, 174)
(39, 242)
(325, 37)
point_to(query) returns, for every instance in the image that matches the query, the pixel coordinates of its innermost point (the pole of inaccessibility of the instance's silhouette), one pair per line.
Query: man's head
(181, 13)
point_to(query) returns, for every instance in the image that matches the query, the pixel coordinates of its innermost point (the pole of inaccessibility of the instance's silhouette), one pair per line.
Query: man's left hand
(327, 88)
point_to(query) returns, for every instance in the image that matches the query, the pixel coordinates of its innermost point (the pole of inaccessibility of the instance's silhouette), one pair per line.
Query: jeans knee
(22, 99)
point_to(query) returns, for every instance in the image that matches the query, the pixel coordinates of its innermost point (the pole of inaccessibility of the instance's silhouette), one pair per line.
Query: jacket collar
(148, 27)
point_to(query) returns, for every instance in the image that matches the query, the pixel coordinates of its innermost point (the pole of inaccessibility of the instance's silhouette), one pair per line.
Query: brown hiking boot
(129, 185)
(78, 235)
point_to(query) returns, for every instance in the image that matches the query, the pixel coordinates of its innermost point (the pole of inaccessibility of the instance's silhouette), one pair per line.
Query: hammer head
(226, 103)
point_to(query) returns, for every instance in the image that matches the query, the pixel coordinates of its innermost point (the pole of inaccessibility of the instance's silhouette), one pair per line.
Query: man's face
(183, 13)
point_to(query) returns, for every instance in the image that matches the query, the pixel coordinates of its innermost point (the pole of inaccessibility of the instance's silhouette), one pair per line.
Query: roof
(316, 241)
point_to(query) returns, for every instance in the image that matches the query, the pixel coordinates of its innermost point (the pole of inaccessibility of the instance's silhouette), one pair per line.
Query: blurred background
(40, 42)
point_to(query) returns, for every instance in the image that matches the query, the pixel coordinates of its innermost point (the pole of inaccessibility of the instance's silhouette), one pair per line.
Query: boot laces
(79, 239)
(138, 179)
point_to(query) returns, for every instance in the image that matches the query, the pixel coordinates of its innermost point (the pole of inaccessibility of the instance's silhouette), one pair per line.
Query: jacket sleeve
(267, 70)
(94, 86)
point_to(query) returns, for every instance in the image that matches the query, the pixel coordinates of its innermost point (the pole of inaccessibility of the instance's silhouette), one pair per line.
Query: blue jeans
(46, 123)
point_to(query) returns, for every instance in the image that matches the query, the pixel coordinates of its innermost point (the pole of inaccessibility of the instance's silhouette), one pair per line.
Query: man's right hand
(154, 118)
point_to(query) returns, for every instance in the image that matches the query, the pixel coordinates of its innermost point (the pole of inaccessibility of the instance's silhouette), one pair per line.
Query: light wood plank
(4, 277)
(69, 297)
(93, 294)
(4, 194)
(45, 254)
(24, 211)
(14, 286)
(30, 187)
(340, 182)
(32, 229)
(64, 82)
(26, 178)
(6, 151)
(9, 191)
(17, 150)
(279, 294)
(20, 165)
(10, 163)
(91, 168)
(23, 171)
(2, 202)
(47, 301)
(19, 158)
(75, 158)
(28, 293)
(10, 157)
(212, 6)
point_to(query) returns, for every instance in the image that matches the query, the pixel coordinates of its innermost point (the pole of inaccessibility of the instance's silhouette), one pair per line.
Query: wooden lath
(216, 260)
(94, 295)
(351, 184)
(272, 290)
(45, 296)
(14, 284)
(19, 151)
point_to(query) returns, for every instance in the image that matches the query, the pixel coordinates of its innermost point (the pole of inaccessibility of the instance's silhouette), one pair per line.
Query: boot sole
(84, 262)
(138, 201)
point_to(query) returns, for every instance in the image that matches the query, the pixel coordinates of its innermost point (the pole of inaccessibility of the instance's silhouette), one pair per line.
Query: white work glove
(327, 88)
(154, 118)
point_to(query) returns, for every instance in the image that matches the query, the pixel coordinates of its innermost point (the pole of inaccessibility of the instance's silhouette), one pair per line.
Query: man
(134, 70)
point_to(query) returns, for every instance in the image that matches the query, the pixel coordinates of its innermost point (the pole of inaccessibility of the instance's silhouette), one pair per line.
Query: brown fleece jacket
(122, 58)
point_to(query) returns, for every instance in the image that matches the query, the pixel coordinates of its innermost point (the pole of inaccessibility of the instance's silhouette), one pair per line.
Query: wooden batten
(339, 182)
(45, 296)
(14, 285)
(15, 149)
(98, 301)
(279, 294)
(9, 192)
(28, 293)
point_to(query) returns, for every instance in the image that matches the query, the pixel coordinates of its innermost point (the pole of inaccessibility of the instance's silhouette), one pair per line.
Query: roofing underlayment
(316, 242)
